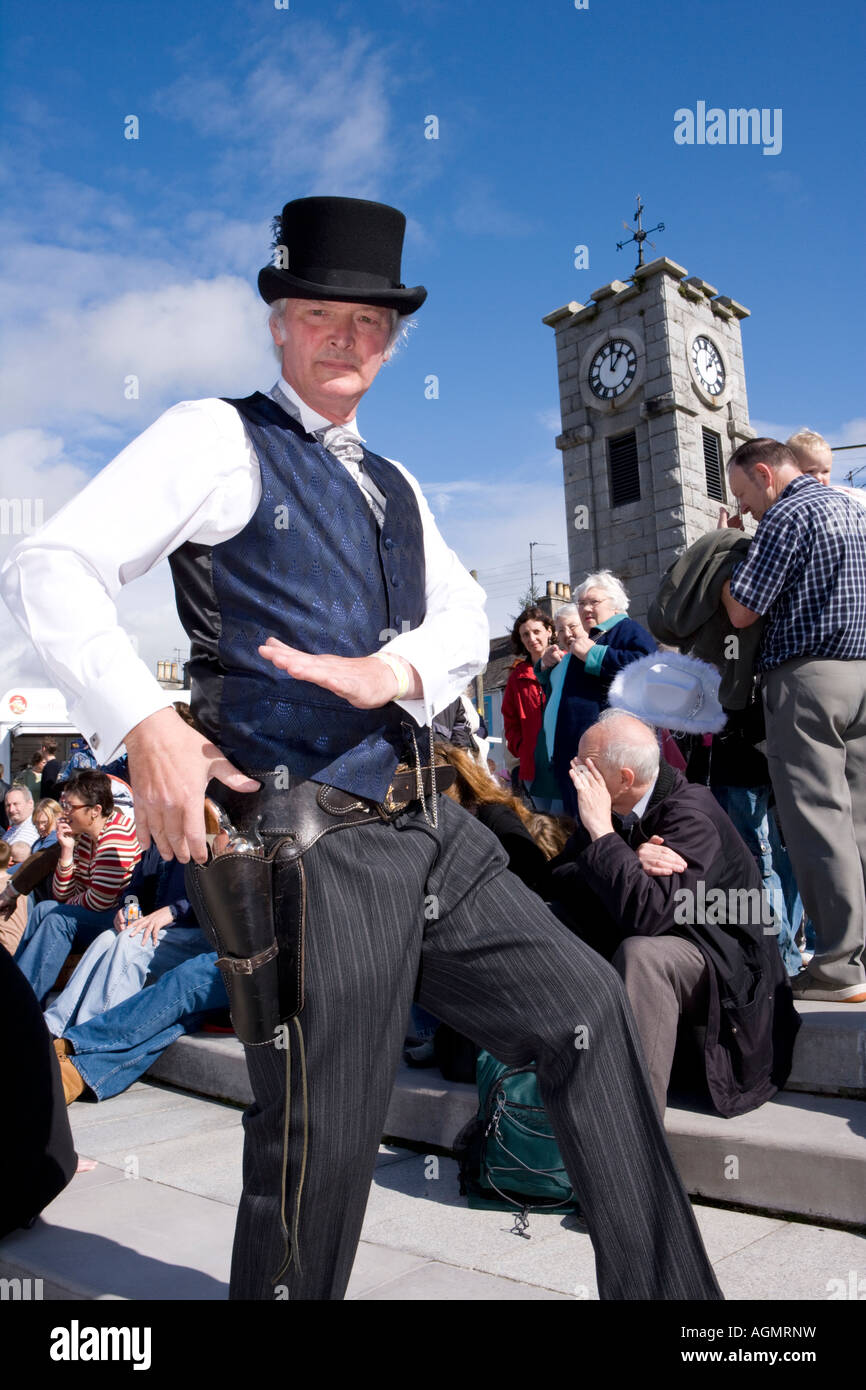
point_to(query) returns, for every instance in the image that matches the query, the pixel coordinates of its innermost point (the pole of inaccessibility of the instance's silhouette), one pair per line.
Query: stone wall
(659, 313)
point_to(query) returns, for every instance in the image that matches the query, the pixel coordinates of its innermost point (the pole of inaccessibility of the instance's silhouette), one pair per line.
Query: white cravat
(344, 446)
(343, 441)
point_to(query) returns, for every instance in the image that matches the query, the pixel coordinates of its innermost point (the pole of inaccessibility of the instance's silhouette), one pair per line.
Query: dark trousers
(383, 901)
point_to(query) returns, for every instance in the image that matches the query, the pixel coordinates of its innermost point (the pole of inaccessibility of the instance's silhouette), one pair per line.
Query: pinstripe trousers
(386, 902)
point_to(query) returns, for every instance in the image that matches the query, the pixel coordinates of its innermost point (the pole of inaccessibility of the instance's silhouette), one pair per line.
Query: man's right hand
(65, 837)
(170, 766)
(726, 519)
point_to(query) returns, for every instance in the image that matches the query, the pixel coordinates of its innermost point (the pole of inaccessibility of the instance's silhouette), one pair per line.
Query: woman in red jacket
(523, 708)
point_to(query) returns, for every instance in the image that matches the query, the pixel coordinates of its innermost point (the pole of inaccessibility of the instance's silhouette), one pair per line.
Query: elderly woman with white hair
(595, 640)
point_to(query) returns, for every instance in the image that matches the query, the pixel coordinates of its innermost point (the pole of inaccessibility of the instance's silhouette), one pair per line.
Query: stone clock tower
(653, 400)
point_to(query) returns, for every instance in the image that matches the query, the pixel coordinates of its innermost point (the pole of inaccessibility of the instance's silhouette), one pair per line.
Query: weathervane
(640, 235)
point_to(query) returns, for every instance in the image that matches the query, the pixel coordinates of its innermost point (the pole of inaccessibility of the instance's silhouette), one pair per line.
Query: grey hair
(399, 335)
(24, 790)
(626, 751)
(607, 580)
(566, 611)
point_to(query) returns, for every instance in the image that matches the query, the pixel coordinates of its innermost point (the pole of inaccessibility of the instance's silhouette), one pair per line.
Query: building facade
(653, 402)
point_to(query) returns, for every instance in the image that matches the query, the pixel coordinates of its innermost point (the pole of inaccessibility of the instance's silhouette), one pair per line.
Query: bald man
(676, 903)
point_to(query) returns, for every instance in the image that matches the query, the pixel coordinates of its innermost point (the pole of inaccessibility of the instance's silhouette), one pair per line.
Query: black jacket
(752, 1022)
(687, 612)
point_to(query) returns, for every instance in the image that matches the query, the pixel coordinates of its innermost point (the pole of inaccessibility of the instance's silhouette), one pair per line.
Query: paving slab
(797, 1262)
(99, 1131)
(193, 1163)
(442, 1282)
(111, 1237)
(376, 1267)
(38, 1289)
(142, 1098)
(129, 1239)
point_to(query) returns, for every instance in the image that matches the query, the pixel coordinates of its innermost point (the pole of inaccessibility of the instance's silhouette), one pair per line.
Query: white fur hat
(671, 691)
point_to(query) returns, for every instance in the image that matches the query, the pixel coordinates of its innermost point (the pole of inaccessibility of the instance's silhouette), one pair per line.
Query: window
(713, 466)
(623, 469)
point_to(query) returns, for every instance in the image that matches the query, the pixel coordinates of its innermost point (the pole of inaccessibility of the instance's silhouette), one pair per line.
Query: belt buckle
(390, 805)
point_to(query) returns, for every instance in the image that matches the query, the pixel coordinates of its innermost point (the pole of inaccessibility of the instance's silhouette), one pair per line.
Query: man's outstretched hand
(364, 681)
(170, 766)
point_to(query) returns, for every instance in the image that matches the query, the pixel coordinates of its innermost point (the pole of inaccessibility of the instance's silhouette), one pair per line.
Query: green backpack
(509, 1159)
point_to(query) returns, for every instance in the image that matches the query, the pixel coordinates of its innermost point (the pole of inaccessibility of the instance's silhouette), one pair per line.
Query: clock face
(612, 369)
(708, 366)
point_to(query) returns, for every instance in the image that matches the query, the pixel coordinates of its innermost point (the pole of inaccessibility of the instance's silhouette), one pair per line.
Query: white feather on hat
(671, 691)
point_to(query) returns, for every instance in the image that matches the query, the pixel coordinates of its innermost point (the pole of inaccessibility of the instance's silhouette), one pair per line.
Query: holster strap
(245, 965)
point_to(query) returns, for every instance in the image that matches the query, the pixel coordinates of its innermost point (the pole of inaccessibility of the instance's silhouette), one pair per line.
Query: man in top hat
(329, 622)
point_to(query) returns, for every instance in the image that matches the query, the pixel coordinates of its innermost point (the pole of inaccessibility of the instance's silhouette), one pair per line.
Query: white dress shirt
(25, 832)
(641, 806)
(193, 476)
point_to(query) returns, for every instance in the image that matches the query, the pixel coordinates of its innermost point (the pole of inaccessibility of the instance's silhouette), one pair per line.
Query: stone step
(798, 1155)
(830, 1051)
(829, 1058)
(801, 1154)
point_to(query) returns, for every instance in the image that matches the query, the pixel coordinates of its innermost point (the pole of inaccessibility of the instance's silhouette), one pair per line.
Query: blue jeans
(748, 808)
(53, 930)
(113, 968)
(422, 1024)
(114, 1049)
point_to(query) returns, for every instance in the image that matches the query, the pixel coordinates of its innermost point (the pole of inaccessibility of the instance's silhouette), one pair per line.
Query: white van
(30, 714)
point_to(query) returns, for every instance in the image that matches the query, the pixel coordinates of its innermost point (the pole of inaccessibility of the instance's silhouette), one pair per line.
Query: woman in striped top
(98, 852)
(99, 848)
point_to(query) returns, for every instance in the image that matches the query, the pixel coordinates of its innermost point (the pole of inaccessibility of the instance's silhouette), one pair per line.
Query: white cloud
(490, 526)
(182, 340)
(550, 420)
(37, 466)
(310, 108)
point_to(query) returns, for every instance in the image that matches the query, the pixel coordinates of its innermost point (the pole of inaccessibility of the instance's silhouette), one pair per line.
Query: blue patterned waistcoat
(312, 568)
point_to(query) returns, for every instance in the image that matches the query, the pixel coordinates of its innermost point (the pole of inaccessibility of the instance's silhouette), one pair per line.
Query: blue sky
(139, 256)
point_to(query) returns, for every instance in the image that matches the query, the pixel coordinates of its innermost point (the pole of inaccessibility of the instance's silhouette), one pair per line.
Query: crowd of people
(600, 822)
(84, 894)
(356, 887)
(74, 880)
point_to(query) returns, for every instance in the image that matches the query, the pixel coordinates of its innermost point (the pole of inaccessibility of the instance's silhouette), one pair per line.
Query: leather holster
(252, 905)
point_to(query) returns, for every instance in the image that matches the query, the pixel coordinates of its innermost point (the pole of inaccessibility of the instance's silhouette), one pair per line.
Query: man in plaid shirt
(806, 573)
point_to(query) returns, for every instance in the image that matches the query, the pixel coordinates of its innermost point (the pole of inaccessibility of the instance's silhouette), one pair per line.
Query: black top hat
(341, 248)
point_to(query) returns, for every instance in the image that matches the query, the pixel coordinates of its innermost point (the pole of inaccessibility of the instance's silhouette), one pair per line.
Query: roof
(499, 663)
